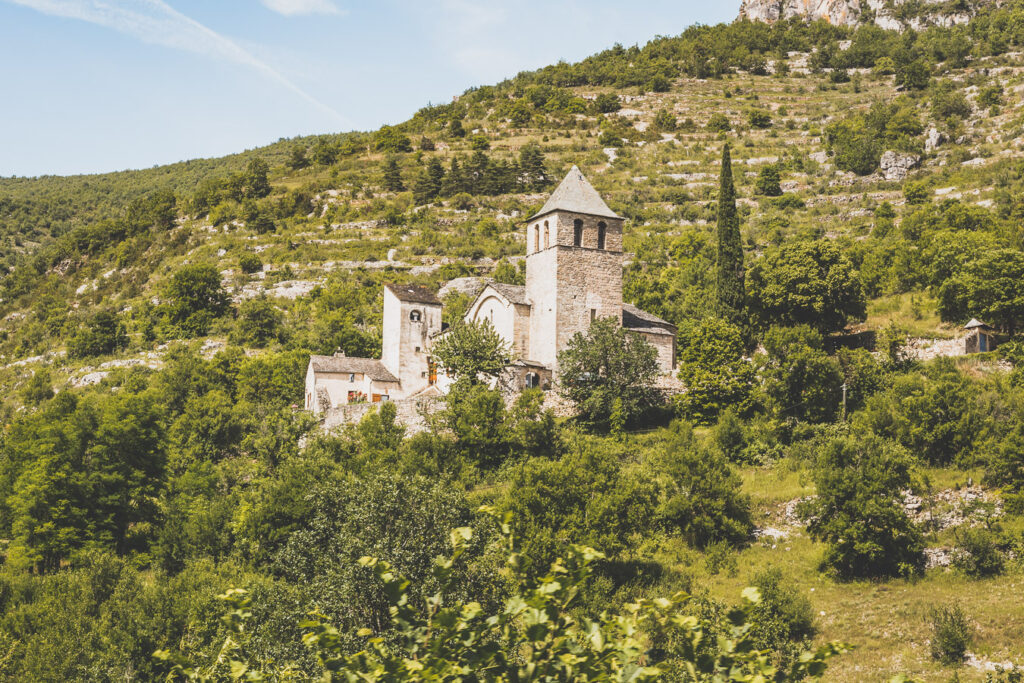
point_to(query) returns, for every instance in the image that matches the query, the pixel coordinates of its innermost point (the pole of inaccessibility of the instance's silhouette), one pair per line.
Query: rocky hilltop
(889, 14)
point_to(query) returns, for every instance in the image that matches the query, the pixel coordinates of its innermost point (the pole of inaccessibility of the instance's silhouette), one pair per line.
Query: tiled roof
(635, 319)
(576, 195)
(514, 293)
(371, 367)
(414, 294)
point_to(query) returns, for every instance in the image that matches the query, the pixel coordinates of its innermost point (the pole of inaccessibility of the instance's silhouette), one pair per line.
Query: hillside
(899, 154)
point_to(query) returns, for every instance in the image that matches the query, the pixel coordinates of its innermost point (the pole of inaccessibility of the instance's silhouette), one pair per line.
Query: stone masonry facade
(573, 277)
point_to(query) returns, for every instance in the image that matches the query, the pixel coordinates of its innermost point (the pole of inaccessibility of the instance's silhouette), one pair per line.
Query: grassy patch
(914, 311)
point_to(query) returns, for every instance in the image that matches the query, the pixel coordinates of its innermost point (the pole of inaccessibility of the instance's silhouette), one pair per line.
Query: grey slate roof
(514, 293)
(414, 294)
(371, 367)
(635, 319)
(577, 195)
(975, 323)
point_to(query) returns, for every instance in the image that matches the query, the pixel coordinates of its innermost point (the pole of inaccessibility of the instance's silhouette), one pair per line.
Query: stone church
(574, 263)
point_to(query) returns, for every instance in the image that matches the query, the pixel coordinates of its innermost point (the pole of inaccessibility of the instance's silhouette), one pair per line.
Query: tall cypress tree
(730, 287)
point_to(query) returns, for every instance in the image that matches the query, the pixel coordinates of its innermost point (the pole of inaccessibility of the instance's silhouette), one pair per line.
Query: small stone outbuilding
(981, 338)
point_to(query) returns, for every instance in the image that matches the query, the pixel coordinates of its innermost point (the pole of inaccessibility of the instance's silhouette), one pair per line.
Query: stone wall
(541, 291)
(510, 320)
(410, 412)
(665, 345)
(569, 286)
(589, 285)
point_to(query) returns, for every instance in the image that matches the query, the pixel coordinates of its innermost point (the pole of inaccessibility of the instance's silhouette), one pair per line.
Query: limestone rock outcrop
(840, 12)
(896, 165)
(853, 12)
(933, 139)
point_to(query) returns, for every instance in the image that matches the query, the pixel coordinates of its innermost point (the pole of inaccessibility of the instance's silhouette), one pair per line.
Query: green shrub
(712, 367)
(719, 122)
(784, 616)
(535, 634)
(250, 263)
(859, 512)
(768, 181)
(700, 496)
(103, 333)
(759, 118)
(607, 103)
(259, 322)
(951, 634)
(729, 436)
(977, 553)
(916, 192)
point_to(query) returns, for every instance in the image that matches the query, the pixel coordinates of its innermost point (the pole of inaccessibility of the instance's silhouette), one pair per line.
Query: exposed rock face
(933, 139)
(841, 12)
(853, 12)
(896, 166)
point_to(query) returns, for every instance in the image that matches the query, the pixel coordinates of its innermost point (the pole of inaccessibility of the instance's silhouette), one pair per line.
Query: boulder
(932, 139)
(896, 165)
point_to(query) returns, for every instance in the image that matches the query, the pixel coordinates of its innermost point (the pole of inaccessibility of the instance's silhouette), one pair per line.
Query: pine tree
(476, 173)
(730, 290)
(428, 185)
(393, 176)
(436, 172)
(532, 175)
(454, 180)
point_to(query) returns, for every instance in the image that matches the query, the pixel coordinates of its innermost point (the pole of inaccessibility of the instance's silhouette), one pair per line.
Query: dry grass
(887, 622)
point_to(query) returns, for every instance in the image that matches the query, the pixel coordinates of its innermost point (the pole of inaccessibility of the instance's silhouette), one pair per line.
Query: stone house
(574, 263)
(412, 315)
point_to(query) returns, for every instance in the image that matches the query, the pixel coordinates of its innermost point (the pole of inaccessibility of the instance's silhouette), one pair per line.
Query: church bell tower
(573, 267)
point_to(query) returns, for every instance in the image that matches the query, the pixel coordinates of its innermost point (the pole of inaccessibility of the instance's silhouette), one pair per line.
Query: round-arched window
(415, 316)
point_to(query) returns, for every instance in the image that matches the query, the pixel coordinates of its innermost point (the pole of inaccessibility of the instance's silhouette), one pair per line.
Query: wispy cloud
(291, 8)
(157, 23)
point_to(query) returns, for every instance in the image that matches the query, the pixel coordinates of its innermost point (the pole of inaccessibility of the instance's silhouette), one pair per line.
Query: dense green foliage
(141, 477)
(858, 512)
(609, 374)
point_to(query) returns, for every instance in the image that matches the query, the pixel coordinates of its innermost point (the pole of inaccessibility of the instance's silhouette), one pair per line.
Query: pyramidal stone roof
(575, 194)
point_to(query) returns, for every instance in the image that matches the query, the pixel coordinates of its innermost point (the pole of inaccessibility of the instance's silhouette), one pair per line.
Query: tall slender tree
(730, 286)
(393, 176)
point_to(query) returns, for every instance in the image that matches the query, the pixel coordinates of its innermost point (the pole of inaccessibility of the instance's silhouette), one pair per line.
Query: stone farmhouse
(574, 263)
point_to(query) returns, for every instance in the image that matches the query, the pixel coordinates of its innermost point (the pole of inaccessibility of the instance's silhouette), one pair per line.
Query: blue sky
(102, 85)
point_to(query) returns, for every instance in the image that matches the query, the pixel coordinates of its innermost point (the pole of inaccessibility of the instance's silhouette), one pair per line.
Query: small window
(415, 316)
(547, 235)
(351, 377)
(593, 314)
(601, 229)
(577, 232)
(536, 238)
(532, 380)
(417, 349)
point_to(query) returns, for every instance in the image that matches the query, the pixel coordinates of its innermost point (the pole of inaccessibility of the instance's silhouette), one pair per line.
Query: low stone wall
(410, 412)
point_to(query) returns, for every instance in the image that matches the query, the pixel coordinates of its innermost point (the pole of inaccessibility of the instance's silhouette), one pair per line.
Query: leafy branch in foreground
(536, 637)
